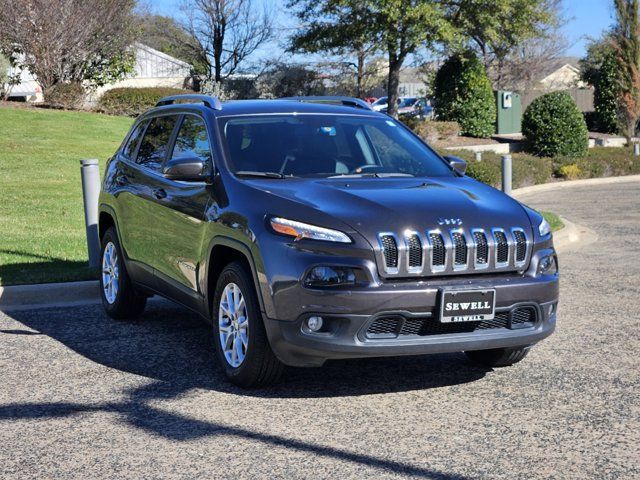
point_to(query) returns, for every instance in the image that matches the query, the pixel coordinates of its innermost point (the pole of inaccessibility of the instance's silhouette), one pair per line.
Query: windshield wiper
(251, 173)
(372, 175)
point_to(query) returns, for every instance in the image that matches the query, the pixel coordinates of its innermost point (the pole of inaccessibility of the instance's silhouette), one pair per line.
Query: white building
(152, 69)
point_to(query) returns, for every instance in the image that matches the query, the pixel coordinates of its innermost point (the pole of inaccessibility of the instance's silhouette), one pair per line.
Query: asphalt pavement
(83, 396)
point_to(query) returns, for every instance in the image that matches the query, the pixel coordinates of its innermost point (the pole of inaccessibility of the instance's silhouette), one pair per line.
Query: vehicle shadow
(43, 269)
(173, 345)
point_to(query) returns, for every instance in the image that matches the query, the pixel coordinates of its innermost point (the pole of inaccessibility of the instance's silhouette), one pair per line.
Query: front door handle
(160, 193)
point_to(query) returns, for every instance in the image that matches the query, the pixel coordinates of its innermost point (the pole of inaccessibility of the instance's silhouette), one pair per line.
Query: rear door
(140, 202)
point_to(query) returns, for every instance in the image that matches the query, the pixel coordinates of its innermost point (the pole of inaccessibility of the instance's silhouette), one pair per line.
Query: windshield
(407, 102)
(327, 146)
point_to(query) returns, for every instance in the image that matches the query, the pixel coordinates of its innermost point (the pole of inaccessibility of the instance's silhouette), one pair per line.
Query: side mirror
(188, 169)
(458, 164)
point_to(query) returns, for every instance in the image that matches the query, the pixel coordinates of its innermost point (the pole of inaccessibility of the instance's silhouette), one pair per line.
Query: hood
(371, 206)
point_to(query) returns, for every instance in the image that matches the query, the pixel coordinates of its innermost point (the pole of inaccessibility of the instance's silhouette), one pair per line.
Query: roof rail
(347, 101)
(209, 101)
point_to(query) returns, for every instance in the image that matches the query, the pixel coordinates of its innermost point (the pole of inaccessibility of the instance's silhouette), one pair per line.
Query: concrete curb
(574, 183)
(23, 297)
(26, 297)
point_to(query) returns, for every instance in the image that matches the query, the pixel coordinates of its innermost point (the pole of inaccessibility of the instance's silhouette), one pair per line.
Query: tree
(226, 33)
(340, 29)
(4, 75)
(463, 94)
(400, 27)
(289, 80)
(167, 36)
(68, 41)
(498, 27)
(626, 42)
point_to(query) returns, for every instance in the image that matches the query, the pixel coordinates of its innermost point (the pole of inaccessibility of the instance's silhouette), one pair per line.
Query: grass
(42, 235)
(554, 220)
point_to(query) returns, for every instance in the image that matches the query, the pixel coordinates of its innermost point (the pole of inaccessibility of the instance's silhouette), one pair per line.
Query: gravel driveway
(82, 396)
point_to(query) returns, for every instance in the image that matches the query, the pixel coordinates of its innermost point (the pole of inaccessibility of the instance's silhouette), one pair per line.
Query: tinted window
(192, 140)
(155, 142)
(328, 145)
(130, 147)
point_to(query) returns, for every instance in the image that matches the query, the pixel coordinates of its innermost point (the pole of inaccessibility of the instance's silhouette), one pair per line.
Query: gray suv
(312, 228)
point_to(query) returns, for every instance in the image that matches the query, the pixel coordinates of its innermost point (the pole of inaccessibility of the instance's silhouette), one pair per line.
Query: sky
(585, 18)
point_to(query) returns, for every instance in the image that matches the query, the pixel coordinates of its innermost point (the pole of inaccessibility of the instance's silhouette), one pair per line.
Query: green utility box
(509, 112)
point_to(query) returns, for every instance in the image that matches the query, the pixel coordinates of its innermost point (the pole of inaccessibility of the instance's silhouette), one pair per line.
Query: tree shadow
(171, 344)
(43, 269)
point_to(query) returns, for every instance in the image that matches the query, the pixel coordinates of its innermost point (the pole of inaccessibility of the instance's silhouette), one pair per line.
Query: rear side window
(192, 140)
(155, 142)
(130, 148)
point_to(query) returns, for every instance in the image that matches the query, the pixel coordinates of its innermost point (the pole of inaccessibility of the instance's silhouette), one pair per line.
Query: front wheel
(240, 339)
(498, 357)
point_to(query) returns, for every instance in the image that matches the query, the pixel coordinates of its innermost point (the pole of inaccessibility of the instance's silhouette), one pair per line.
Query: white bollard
(90, 174)
(507, 173)
(478, 156)
(636, 149)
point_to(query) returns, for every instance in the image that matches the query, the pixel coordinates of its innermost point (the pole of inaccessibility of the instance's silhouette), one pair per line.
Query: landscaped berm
(42, 236)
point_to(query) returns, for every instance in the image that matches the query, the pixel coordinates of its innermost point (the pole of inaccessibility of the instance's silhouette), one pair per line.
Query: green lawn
(554, 220)
(42, 237)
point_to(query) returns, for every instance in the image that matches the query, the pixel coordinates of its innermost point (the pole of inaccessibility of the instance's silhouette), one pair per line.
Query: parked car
(380, 104)
(415, 107)
(310, 229)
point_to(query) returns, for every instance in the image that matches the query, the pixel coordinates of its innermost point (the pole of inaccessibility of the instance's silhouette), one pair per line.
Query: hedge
(133, 101)
(69, 96)
(554, 126)
(432, 131)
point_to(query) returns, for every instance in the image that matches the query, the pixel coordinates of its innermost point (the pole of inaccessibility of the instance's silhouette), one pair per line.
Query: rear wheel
(119, 298)
(498, 357)
(240, 339)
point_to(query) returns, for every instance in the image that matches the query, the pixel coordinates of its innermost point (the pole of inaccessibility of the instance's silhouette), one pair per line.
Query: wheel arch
(221, 252)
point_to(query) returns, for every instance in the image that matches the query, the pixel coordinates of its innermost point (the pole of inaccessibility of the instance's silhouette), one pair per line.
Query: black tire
(260, 366)
(127, 303)
(498, 357)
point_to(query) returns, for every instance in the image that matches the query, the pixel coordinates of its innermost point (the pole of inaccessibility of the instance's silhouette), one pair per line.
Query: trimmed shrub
(554, 126)
(134, 101)
(432, 131)
(69, 96)
(486, 171)
(463, 93)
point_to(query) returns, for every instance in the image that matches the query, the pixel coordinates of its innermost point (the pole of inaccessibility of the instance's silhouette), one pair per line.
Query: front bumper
(349, 314)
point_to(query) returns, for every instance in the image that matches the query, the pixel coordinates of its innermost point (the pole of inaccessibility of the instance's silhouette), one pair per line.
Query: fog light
(314, 323)
(548, 265)
(325, 276)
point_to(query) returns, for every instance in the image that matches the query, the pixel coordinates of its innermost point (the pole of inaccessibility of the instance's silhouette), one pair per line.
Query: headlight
(300, 230)
(548, 265)
(544, 228)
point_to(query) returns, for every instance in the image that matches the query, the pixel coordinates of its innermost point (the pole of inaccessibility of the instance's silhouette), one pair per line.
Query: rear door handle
(160, 193)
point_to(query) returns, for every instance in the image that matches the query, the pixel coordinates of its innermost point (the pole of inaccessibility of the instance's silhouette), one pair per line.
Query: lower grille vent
(398, 326)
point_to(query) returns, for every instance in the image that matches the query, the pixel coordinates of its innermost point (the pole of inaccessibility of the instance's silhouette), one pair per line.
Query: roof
(261, 107)
(555, 64)
(158, 53)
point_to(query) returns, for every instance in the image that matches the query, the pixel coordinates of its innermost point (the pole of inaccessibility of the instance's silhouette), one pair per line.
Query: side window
(134, 139)
(155, 142)
(193, 140)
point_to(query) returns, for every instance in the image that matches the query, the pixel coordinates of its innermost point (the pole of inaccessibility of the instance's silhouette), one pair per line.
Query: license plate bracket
(473, 305)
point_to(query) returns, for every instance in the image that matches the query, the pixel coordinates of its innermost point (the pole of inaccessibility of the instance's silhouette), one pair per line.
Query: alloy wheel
(233, 325)
(110, 274)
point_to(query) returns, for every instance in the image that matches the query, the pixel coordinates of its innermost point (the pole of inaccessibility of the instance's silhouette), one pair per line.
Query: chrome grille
(459, 249)
(455, 251)
(521, 246)
(482, 249)
(390, 250)
(438, 251)
(502, 248)
(414, 251)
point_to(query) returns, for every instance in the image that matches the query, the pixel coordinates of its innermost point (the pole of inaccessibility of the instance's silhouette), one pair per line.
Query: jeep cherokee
(312, 228)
